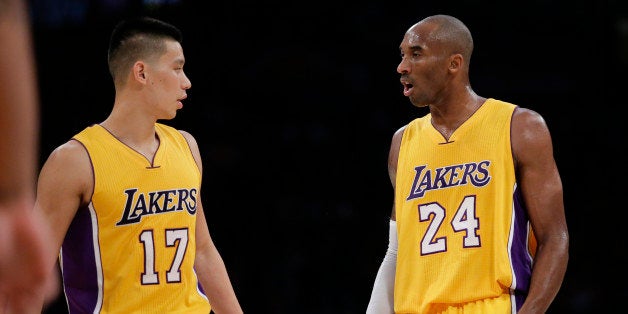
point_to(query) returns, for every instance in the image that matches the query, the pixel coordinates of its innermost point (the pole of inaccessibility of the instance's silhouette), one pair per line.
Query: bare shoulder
(193, 147)
(528, 125)
(527, 119)
(189, 138)
(393, 154)
(530, 134)
(397, 136)
(68, 169)
(70, 154)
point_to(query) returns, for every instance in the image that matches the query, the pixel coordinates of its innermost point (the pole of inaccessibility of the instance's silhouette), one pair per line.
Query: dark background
(294, 104)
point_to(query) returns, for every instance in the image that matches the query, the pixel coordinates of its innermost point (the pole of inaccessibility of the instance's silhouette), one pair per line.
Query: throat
(149, 151)
(445, 131)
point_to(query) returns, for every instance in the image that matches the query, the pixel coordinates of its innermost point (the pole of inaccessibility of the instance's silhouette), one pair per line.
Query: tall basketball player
(477, 224)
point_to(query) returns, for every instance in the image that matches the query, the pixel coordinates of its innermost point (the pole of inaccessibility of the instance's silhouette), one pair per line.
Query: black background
(294, 104)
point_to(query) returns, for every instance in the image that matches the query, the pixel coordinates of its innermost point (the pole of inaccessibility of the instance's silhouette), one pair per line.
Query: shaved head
(453, 35)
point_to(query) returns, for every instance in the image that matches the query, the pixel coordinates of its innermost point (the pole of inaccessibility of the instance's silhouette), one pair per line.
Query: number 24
(464, 220)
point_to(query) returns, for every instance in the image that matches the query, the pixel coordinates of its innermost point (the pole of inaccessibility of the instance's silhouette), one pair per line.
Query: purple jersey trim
(521, 260)
(80, 281)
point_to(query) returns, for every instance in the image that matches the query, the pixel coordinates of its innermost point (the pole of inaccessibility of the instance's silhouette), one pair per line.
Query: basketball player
(478, 223)
(23, 237)
(122, 197)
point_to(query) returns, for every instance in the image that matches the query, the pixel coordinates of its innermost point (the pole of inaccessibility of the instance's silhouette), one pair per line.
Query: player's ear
(139, 71)
(455, 62)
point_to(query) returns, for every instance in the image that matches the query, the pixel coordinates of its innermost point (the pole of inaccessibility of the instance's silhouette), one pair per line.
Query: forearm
(215, 281)
(23, 303)
(549, 269)
(27, 282)
(34, 299)
(382, 296)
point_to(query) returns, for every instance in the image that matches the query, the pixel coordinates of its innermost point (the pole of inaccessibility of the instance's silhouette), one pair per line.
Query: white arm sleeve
(381, 301)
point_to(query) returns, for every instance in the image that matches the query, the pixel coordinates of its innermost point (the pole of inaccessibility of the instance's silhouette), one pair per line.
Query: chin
(417, 103)
(168, 117)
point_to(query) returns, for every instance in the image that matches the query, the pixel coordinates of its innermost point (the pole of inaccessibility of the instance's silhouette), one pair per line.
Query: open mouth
(407, 88)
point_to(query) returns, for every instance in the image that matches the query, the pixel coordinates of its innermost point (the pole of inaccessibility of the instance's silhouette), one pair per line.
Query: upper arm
(194, 148)
(537, 174)
(203, 239)
(393, 157)
(65, 183)
(206, 253)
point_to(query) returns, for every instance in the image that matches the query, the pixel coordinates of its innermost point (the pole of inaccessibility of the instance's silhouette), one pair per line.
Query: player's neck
(452, 113)
(133, 129)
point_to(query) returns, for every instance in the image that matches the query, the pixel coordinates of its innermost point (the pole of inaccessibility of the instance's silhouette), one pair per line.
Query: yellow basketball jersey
(132, 249)
(462, 229)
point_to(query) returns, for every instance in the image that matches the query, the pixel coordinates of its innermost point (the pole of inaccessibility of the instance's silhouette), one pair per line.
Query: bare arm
(19, 103)
(23, 239)
(208, 264)
(65, 182)
(543, 195)
(393, 157)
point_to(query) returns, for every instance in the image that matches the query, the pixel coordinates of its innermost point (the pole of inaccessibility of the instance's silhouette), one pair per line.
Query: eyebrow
(414, 48)
(179, 61)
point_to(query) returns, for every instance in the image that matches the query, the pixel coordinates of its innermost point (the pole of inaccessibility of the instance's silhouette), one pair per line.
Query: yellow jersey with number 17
(132, 249)
(464, 236)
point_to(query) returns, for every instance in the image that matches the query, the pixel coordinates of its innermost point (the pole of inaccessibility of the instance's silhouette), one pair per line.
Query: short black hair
(138, 38)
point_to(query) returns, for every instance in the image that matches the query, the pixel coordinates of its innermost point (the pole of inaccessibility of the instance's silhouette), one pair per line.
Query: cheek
(433, 75)
(165, 84)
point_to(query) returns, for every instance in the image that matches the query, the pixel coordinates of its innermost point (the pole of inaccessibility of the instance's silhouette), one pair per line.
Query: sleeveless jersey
(132, 249)
(464, 235)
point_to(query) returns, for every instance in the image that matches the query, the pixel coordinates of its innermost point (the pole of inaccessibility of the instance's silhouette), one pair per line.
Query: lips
(180, 101)
(407, 88)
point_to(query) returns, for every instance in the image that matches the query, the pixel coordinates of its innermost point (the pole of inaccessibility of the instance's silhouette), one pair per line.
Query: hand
(25, 277)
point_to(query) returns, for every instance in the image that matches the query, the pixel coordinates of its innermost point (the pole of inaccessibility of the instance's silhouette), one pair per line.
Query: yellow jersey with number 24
(464, 236)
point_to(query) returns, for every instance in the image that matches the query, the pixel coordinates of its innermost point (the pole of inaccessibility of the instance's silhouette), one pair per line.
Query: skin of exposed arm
(393, 156)
(543, 195)
(19, 103)
(64, 184)
(209, 266)
(542, 189)
(23, 237)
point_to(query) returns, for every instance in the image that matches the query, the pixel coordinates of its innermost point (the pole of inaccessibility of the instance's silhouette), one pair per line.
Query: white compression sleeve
(381, 301)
